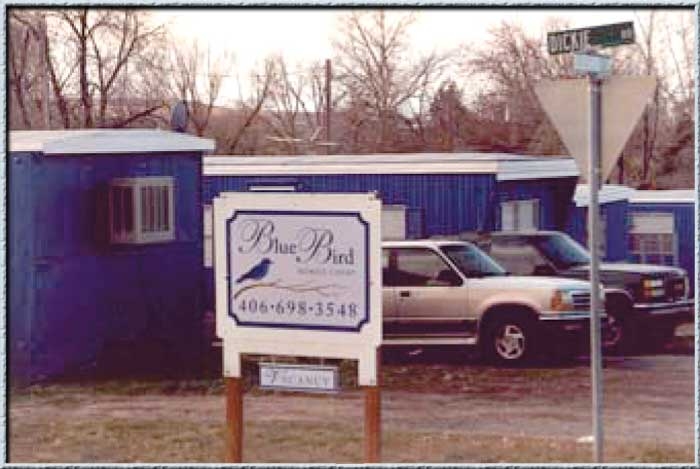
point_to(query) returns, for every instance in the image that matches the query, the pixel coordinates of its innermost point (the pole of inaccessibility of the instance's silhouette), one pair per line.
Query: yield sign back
(567, 105)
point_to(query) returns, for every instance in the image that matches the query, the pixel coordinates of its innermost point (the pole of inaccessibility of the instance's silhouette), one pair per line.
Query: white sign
(299, 377)
(592, 63)
(623, 100)
(298, 274)
(294, 269)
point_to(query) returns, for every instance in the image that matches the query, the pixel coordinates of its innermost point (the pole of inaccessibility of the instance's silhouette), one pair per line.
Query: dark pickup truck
(644, 302)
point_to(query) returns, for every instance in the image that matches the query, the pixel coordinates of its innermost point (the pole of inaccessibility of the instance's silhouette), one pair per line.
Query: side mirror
(448, 278)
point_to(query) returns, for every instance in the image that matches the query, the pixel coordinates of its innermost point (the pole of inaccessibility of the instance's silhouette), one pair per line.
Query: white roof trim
(608, 193)
(105, 141)
(671, 196)
(505, 166)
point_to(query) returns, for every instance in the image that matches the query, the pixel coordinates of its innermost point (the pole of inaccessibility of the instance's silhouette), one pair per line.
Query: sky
(304, 35)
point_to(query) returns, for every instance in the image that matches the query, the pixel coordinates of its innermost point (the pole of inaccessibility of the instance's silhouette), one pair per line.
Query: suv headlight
(562, 300)
(653, 288)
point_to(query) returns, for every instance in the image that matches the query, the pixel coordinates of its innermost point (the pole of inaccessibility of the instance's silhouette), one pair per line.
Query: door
(430, 296)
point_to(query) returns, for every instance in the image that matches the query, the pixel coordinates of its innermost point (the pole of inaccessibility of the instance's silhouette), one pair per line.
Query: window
(419, 268)
(517, 256)
(141, 210)
(208, 233)
(652, 239)
(520, 215)
(393, 222)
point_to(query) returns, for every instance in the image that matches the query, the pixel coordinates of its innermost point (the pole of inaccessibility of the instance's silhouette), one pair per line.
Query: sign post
(298, 275)
(618, 102)
(593, 233)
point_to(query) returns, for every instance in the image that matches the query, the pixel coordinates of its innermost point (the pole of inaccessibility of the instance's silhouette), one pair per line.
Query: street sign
(567, 106)
(287, 377)
(298, 275)
(579, 40)
(592, 63)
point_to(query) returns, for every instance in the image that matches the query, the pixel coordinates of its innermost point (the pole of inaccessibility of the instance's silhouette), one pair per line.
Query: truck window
(517, 257)
(416, 267)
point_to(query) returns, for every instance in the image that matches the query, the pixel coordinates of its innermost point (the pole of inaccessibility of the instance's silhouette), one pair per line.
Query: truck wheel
(622, 335)
(510, 341)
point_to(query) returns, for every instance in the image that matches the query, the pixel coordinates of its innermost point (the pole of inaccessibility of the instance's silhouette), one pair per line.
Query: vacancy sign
(567, 105)
(298, 275)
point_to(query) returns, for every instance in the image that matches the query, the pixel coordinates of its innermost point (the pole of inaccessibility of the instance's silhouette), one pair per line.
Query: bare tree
(512, 62)
(376, 74)
(197, 82)
(108, 59)
(249, 108)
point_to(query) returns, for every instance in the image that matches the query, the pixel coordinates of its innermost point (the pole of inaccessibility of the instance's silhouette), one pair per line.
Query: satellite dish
(179, 117)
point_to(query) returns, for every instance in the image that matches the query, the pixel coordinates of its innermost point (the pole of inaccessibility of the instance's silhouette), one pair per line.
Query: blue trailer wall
(437, 204)
(553, 195)
(72, 294)
(615, 214)
(444, 203)
(684, 227)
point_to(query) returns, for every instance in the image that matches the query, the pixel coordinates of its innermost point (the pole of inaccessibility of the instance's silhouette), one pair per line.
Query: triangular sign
(567, 105)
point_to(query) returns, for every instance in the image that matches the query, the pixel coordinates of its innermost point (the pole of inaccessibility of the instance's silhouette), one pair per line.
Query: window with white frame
(141, 210)
(520, 215)
(652, 238)
(393, 221)
(208, 231)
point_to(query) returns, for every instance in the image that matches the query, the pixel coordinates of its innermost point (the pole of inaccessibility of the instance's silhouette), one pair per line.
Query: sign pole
(373, 430)
(593, 234)
(234, 419)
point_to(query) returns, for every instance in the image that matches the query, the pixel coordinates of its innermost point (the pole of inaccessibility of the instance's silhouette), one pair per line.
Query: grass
(149, 441)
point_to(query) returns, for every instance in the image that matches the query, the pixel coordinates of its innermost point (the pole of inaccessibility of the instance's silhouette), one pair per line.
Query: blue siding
(553, 195)
(684, 225)
(437, 204)
(72, 294)
(615, 214)
(440, 204)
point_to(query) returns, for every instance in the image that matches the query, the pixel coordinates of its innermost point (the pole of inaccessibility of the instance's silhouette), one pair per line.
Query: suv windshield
(472, 261)
(561, 250)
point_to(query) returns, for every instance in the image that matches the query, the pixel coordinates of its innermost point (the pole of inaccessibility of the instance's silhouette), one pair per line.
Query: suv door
(428, 290)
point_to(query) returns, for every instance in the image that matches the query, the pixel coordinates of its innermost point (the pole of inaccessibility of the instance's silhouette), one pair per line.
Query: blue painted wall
(72, 294)
(436, 204)
(553, 195)
(684, 225)
(615, 214)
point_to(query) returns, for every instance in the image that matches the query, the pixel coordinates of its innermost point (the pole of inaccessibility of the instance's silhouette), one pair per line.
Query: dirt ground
(435, 408)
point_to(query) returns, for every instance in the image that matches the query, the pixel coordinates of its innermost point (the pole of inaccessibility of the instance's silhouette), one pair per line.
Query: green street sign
(578, 40)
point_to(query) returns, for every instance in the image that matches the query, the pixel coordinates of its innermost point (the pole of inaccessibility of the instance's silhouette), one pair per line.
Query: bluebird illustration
(256, 273)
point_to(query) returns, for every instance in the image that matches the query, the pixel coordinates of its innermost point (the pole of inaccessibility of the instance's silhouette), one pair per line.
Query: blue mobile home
(423, 194)
(662, 228)
(645, 226)
(105, 246)
(614, 205)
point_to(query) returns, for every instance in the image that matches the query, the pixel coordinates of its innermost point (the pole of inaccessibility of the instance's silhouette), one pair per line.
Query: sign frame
(359, 343)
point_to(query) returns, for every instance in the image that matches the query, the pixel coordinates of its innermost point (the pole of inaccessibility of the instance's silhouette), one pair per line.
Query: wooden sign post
(299, 275)
(234, 420)
(373, 421)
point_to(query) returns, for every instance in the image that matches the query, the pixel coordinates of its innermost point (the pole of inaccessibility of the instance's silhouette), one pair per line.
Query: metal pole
(593, 234)
(44, 56)
(328, 105)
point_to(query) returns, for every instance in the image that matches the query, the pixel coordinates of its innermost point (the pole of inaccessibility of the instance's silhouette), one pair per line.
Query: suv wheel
(622, 333)
(510, 341)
